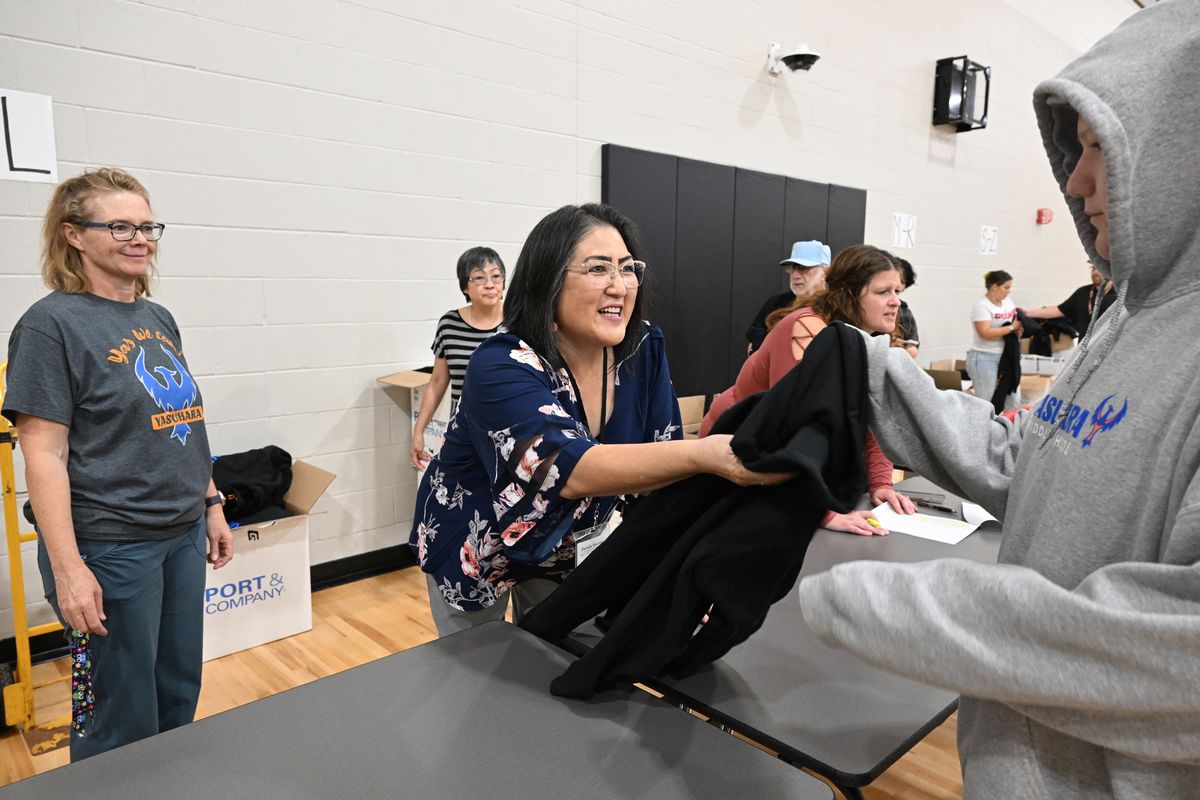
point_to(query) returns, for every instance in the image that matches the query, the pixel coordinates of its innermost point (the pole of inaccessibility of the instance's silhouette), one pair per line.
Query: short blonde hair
(62, 265)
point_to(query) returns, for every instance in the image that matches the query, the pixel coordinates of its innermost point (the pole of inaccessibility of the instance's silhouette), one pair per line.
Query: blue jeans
(983, 369)
(146, 671)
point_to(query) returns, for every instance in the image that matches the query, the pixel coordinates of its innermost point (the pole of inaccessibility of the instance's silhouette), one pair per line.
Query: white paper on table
(938, 529)
(976, 514)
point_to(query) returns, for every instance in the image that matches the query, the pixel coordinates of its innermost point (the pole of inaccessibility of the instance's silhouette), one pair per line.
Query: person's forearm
(50, 496)
(1044, 312)
(996, 333)
(610, 469)
(435, 390)
(218, 508)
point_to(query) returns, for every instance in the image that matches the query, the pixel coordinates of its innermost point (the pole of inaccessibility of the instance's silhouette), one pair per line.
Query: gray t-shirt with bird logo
(115, 374)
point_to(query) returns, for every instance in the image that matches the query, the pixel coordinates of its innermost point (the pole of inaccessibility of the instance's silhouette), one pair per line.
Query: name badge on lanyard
(586, 541)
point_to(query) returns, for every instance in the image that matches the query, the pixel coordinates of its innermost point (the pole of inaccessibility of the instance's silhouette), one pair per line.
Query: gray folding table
(466, 716)
(819, 707)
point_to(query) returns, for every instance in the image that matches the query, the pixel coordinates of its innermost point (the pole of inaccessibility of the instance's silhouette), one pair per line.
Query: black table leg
(850, 792)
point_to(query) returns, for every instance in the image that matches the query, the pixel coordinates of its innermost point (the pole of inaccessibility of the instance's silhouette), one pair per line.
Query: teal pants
(146, 671)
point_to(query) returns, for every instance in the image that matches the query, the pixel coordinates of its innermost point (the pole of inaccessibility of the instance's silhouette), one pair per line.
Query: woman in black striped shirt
(459, 332)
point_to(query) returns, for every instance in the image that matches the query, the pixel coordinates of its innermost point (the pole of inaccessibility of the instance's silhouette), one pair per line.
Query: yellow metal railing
(18, 697)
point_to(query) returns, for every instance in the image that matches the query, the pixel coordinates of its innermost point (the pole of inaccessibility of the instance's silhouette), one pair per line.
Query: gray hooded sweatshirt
(1078, 655)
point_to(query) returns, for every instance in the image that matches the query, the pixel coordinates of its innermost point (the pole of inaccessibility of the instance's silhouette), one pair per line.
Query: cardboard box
(1061, 342)
(265, 592)
(948, 379)
(1033, 387)
(691, 409)
(1041, 365)
(1058, 342)
(415, 381)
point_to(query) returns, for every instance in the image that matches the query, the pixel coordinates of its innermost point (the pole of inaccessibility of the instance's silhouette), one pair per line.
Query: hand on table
(899, 503)
(856, 522)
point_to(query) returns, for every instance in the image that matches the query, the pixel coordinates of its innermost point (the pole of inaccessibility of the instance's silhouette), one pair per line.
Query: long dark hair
(538, 277)
(849, 275)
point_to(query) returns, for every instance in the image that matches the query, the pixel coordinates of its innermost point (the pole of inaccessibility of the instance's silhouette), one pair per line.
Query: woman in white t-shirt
(991, 315)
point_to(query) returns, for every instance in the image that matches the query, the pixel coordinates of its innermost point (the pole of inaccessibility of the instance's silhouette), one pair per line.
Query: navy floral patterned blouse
(489, 513)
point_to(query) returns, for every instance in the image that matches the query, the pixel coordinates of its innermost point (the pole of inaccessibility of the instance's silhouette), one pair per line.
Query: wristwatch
(215, 500)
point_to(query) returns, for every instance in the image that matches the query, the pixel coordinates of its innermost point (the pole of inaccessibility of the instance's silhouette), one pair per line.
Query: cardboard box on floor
(415, 381)
(265, 592)
(691, 410)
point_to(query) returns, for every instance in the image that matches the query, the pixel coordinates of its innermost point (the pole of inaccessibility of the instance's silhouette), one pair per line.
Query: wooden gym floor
(368, 619)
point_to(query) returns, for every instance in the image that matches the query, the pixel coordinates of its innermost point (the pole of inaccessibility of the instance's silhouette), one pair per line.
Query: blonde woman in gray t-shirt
(117, 462)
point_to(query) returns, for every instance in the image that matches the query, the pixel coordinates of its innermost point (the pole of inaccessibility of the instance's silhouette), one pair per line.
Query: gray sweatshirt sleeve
(1115, 662)
(952, 438)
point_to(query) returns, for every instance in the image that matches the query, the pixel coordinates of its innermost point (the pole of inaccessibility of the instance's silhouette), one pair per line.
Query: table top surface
(818, 706)
(468, 715)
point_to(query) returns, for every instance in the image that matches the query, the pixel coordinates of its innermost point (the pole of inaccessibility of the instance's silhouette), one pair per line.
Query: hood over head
(1137, 88)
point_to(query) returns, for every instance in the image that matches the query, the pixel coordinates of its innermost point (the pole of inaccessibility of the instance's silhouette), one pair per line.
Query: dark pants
(146, 671)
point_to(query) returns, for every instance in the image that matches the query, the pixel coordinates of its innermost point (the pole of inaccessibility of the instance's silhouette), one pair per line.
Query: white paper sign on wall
(28, 131)
(989, 240)
(904, 230)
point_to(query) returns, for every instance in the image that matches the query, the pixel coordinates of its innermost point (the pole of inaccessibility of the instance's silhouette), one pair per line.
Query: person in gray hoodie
(1078, 655)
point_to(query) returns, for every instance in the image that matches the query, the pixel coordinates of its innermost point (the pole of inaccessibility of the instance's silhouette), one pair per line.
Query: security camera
(795, 58)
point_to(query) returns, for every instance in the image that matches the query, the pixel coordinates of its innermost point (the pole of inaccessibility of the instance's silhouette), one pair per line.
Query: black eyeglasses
(125, 231)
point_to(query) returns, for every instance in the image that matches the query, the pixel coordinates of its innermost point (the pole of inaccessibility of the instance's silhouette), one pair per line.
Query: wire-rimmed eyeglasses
(602, 273)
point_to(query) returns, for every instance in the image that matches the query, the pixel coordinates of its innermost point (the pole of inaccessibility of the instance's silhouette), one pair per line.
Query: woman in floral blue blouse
(568, 409)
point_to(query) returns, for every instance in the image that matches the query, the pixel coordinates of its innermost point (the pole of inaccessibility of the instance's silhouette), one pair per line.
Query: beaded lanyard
(83, 699)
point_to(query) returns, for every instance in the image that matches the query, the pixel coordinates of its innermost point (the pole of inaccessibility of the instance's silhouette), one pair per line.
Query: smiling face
(107, 262)
(593, 315)
(1089, 182)
(487, 296)
(879, 302)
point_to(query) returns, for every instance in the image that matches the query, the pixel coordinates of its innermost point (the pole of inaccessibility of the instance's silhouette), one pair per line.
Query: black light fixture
(956, 91)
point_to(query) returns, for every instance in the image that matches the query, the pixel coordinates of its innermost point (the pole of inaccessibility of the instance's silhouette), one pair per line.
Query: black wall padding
(758, 226)
(806, 214)
(713, 237)
(703, 262)
(642, 185)
(847, 217)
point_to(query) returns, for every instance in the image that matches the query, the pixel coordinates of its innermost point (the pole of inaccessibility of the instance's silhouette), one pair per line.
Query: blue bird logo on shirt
(171, 389)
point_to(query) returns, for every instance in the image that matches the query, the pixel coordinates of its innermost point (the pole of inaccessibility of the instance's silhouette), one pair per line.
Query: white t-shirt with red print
(984, 311)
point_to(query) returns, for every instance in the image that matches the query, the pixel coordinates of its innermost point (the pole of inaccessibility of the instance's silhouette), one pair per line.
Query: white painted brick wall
(321, 164)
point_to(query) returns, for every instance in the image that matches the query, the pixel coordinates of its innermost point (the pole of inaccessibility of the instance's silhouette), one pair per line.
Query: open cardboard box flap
(308, 484)
(408, 378)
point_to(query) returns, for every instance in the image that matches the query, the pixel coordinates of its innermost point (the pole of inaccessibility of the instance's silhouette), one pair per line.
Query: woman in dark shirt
(568, 408)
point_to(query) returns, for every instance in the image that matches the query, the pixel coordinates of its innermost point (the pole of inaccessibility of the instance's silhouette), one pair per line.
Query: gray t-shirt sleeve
(38, 377)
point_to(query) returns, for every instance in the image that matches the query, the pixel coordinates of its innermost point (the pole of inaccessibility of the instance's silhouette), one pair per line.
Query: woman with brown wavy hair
(862, 288)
